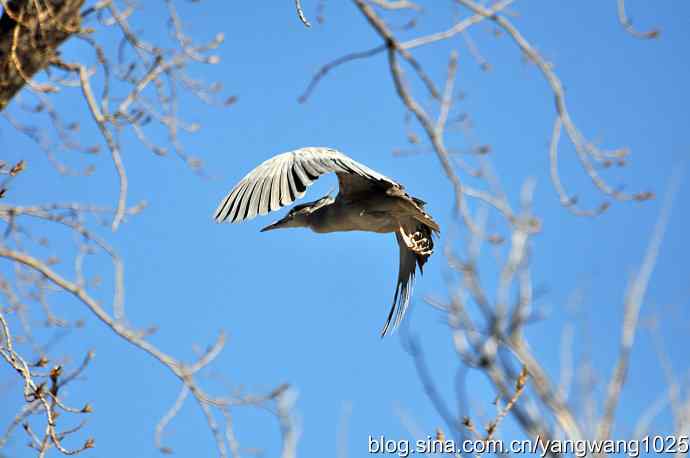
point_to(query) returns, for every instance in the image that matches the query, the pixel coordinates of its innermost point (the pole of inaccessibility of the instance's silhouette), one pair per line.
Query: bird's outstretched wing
(413, 252)
(281, 180)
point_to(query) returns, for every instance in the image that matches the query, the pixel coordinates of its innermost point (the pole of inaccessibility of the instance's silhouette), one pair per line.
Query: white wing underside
(284, 178)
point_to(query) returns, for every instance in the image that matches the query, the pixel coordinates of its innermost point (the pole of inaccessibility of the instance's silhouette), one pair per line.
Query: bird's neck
(325, 218)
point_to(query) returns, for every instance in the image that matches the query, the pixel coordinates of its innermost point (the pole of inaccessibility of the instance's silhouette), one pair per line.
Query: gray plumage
(366, 201)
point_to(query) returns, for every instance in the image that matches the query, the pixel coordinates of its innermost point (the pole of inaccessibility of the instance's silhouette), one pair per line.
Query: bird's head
(299, 215)
(292, 219)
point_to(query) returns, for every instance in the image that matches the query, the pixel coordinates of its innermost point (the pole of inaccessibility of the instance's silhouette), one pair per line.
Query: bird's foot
(417, 242)
(422, 244)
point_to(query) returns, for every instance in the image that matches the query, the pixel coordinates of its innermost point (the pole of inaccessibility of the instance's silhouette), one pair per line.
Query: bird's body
(371, 213)
(357, 216)
(367, 201)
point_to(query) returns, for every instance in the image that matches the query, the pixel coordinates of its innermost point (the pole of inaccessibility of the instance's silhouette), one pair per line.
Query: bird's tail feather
(415, 248)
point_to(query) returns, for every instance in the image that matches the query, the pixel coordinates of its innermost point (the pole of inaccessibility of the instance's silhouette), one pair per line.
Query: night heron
(366, 201)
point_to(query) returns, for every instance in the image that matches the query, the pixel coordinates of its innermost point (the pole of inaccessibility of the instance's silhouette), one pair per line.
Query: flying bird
(366, 201)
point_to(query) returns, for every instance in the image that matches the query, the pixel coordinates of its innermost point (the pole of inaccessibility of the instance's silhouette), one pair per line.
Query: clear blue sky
(305, 308)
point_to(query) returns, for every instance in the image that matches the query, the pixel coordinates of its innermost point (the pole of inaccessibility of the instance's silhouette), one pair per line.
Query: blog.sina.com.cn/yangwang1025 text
(579, 448)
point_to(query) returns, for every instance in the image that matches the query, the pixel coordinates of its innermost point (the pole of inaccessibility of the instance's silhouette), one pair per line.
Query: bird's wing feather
(403, 289)
(352, 184)
(281, 180)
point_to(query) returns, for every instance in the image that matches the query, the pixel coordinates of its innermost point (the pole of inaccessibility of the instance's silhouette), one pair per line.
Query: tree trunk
(29, 38)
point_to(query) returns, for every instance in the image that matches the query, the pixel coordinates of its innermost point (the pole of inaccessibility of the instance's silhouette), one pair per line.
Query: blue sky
(306, 309)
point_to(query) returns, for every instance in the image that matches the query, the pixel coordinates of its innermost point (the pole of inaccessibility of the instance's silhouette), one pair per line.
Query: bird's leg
(407, 239)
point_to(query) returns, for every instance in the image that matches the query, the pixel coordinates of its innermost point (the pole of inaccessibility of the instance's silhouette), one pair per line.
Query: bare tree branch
(633, 302)
(300, 13)
(627, 24)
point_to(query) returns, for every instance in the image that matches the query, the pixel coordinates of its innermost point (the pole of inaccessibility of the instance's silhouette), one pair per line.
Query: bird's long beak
(276, 225)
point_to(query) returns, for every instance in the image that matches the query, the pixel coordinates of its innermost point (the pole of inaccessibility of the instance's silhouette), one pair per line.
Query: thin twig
(300, 13)
(627, 24)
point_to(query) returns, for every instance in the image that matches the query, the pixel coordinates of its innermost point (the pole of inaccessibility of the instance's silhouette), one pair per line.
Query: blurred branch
(567, 201)
(627, 24)
(396, 4)
(633, 302)
(434, 130)
(184, 372)
(140, 68)
(586, 151)
(285, 402)
(412, 346)
(459, 27)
